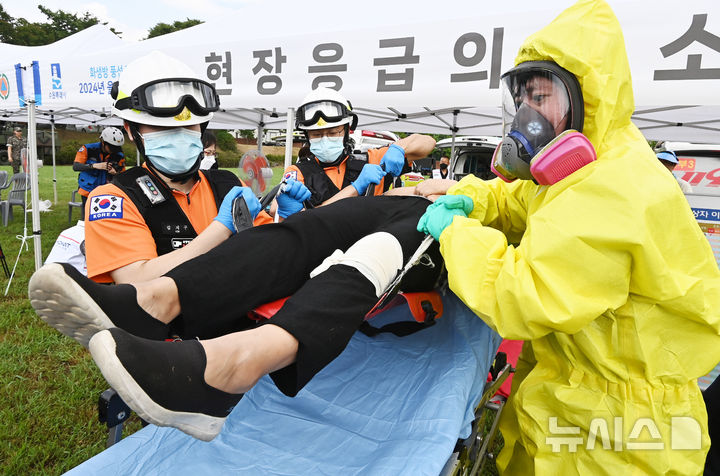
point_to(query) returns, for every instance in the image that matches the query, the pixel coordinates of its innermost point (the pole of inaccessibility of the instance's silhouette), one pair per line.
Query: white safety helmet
(112, 136)
(324, 108)
(158, 90)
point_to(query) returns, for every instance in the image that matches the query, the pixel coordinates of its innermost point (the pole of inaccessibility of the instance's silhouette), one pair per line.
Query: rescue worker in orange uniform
(332, 172)
(95, 161)
(152, 218)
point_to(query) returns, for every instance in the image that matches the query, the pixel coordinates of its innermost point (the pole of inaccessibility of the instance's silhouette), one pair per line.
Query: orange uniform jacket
(336, 173)
(111, 243)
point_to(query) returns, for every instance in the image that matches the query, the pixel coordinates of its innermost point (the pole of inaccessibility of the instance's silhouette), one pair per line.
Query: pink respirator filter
(568, 152)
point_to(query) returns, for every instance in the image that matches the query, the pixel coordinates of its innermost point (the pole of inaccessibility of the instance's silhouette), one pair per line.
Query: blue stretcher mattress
(386, 405)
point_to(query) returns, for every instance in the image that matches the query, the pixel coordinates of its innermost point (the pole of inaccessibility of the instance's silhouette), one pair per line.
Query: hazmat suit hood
(586, 39)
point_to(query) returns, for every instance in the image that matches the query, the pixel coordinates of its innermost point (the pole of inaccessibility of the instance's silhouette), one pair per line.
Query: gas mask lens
(541, 92)
(535, 108)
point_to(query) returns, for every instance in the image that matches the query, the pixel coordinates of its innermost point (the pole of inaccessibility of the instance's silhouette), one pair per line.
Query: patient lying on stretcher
(350, 250)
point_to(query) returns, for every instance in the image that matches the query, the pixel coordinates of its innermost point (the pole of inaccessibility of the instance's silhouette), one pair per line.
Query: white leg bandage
(378, 257)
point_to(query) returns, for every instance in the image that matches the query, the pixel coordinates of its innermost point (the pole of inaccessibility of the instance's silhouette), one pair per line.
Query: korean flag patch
(292, 174)
(106, 206)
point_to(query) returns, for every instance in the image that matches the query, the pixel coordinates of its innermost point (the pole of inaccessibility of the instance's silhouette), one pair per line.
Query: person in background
(209, 143)
(96, 160)
(70, 248)
(329, 168)
(15, 144)
(669, 159)
(442, 171)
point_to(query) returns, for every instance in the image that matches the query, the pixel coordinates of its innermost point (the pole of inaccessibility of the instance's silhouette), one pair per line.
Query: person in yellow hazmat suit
(604, 273)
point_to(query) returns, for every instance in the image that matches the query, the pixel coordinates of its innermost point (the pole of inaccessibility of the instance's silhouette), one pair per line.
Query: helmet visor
(541, 91)
(331, 111)
(168, 97)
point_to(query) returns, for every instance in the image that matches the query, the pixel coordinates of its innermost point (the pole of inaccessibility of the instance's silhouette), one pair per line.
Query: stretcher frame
(468, 459)
(472, 453)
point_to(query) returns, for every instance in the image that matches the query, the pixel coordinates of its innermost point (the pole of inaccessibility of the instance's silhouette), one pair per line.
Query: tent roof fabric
(404, 68)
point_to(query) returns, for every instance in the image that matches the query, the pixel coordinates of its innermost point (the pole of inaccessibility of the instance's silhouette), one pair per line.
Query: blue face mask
(327, 149)
(173, 151)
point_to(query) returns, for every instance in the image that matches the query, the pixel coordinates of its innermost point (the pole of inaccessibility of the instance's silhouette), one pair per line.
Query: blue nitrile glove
(370, 173)
(291, 199)
(394, 160)
(440, 214)
(224, 215)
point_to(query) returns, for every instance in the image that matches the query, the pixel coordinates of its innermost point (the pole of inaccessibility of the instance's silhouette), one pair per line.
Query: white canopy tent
(406, 67)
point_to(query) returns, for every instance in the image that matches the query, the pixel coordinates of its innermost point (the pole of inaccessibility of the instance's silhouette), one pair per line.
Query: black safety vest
(321, 186)
(170, 227)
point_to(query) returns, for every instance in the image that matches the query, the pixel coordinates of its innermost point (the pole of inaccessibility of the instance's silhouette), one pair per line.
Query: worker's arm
(416, 146)
(146, 270)
(80, 163)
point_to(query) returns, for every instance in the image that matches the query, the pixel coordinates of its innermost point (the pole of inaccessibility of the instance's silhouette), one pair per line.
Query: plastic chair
(74, 203)
(20, 184)
(4, 181)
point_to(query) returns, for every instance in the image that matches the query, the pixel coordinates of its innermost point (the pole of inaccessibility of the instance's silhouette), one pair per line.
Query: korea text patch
(105, 206)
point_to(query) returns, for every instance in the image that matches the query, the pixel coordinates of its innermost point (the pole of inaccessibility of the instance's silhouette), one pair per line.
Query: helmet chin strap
(175, 178)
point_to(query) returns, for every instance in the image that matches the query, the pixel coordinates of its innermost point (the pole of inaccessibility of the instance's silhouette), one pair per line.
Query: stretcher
(386, 405)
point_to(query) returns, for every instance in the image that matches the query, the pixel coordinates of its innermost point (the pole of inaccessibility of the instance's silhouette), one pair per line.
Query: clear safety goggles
(169, 97)
(331, 111)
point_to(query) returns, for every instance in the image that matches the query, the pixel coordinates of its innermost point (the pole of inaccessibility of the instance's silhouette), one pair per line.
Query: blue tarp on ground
(387, 405)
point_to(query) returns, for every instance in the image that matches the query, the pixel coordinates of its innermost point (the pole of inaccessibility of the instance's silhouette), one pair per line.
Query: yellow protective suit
(610, 282)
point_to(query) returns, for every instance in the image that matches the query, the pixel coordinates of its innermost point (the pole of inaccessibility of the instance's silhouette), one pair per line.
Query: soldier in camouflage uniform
(15, 144)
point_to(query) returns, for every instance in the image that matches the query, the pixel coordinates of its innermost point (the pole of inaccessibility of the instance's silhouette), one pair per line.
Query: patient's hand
(428, 188)
(411, 191)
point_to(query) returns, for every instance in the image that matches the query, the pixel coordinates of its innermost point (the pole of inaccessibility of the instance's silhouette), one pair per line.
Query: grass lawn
(49, 385)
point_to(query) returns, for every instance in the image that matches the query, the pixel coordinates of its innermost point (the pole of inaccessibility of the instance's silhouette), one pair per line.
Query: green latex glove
(440, 214)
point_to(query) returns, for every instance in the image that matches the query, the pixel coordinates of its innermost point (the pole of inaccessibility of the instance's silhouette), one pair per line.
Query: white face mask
(327, 149)
(173, 151)
(207, 162)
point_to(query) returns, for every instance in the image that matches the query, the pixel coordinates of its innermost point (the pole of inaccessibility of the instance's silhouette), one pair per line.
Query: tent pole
(452, 146)
(52, 138)
(289, 137)
(260, 126)
(33, 171)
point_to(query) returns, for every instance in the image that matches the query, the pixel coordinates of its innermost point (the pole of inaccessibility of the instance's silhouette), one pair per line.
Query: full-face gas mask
(540, 100)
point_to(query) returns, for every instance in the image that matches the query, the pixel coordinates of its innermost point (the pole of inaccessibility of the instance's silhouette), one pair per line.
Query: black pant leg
(712, 402)
(327, 310)
(269, 262)
(322, 316)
